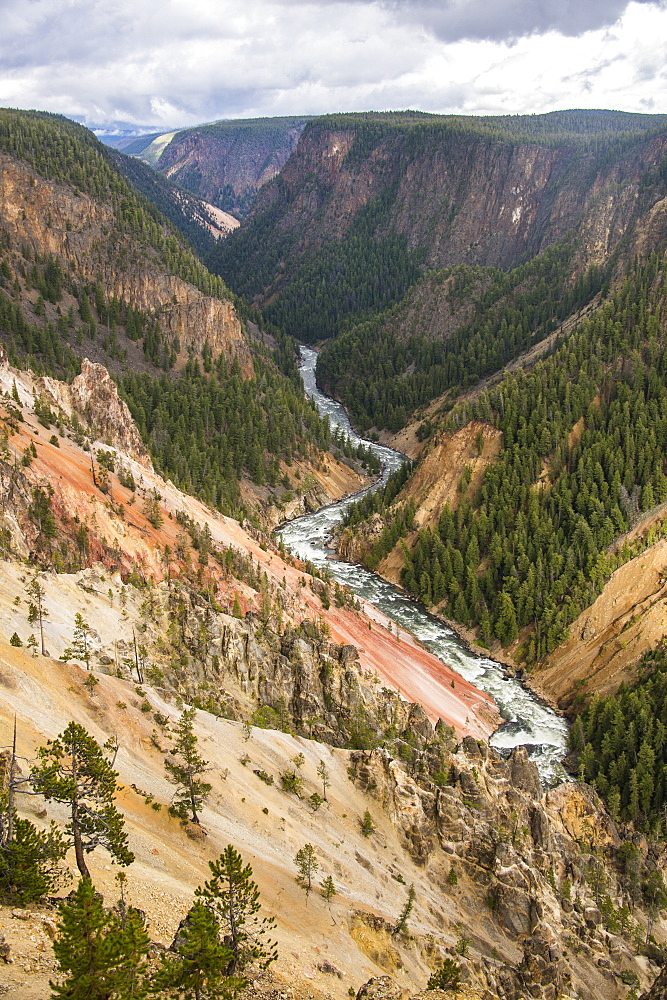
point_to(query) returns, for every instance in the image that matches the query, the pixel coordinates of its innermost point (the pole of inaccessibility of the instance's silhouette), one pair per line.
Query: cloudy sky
(169, 63)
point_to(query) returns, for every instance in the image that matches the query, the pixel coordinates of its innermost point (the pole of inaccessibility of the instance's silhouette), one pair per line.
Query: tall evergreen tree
(74, 770)
(37, 593)
(233, 897)
(185, 766)
(198, 969)
(99, 957)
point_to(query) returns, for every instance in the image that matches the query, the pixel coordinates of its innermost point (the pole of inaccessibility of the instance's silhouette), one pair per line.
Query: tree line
(584, 438)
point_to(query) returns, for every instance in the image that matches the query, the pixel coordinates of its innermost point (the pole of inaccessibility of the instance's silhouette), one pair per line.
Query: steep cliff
(46, 218)
(226, 163)
(93, 396)
(458, 191)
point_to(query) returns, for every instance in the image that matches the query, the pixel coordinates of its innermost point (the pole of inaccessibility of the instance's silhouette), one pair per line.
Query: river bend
(528, 722)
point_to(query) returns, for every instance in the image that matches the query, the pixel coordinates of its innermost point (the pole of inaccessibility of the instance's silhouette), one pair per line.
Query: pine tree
(323, 773)
(367, 825)
(73, 770)
(84, 947)
(185, 765)
(306, 864)
(447, 977)
(233, 898)
(30, 862)
(151, 509)
(402, 921)
(80, 642)
(37, 611)
(133, 944)
(100, 956)
(328, 890)
(198, 970)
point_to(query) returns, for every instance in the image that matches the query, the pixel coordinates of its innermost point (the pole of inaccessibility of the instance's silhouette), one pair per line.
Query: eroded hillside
(184, 606)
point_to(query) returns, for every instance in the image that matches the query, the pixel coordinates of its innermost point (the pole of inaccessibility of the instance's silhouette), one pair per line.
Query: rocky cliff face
(51, 219)
(228, 162)
(94, 398)
(529, 868)
(468, 198)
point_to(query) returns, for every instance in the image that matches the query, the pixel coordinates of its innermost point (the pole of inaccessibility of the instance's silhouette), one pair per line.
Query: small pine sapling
(402, 921)
(185, 767)
(307, 865)
(367, 825)
(447, 977)
(323, 774)
(328, 889)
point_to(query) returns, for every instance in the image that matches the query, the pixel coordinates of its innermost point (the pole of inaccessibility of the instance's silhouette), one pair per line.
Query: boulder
(380, 988)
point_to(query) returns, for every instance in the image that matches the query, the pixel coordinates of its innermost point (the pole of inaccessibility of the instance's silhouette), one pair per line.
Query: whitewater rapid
(528, 722)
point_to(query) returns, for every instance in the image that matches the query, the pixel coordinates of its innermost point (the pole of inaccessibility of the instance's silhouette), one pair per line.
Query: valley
(486, 296)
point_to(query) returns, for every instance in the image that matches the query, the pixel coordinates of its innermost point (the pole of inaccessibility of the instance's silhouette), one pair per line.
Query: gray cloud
(172, 63)
(506, 20)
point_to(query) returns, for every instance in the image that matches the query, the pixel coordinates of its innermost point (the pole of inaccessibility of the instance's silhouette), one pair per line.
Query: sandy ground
(267, 824)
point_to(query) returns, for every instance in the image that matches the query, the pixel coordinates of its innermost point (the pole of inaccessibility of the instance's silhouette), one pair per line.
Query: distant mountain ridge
(224, 163)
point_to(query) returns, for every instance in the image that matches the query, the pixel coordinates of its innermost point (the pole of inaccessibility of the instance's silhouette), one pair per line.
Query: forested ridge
(411, 365)
(208, 426)
(621, 744)
(207, 431)
(180, 208)
(531, 548)
(62, 151)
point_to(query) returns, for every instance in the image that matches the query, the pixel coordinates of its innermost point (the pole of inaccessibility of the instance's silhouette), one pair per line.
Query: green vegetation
(383, 371)
(622, 746)
(181, 210)
(349, 280)
(185, 765)
(207, 431)
(252, 142)
(447, 977)
(100, 954)
(530, 549)
(306, 863)
(41, 348)
(198, 969)
(402, 922)
(362, 274)
(584, 130)
(74, 770)
(30, 861)
(335, 275)
(62, 151)
(232, 896)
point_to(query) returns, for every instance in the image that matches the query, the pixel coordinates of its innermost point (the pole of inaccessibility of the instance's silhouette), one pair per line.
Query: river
(528, 722)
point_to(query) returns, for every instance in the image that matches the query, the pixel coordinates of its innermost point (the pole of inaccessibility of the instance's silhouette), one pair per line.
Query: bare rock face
(658, 990)
(380, 988)
(185, 312)
(94, 398)
(51, 219)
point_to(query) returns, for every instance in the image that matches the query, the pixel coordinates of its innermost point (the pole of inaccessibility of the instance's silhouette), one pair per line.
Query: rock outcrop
(534, 856)
(94, 398)
(48, 218)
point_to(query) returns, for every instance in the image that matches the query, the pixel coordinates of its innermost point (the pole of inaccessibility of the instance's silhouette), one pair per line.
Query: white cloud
(167, 63)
